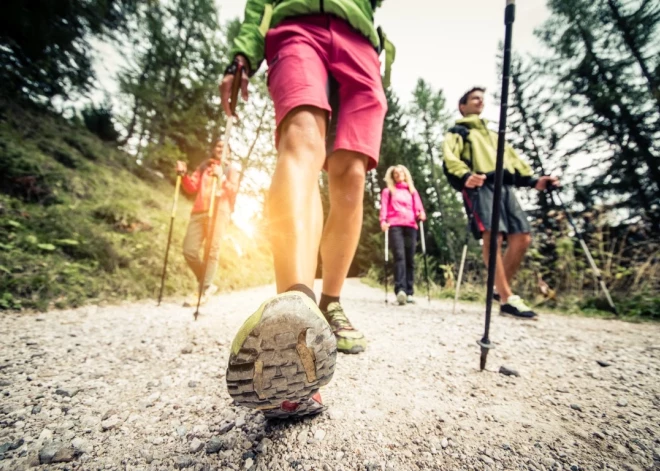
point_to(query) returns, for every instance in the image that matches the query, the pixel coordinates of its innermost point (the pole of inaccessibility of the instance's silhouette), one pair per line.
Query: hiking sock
(326, 300)
(303, 289)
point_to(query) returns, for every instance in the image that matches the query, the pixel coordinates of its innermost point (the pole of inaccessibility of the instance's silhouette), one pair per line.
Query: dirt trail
(139, 387)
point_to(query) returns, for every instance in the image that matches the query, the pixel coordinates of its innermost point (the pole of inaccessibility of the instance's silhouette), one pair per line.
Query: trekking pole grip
(235, 87)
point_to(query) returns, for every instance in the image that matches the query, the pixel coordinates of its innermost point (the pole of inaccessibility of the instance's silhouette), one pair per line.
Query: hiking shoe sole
(281, 356)
(522, 318)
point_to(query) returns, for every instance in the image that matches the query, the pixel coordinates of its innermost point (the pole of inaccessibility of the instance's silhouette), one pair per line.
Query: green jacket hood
(472, 121)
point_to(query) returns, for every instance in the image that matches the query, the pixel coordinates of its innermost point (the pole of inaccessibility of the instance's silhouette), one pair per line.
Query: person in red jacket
(200, 183)
(400, 209)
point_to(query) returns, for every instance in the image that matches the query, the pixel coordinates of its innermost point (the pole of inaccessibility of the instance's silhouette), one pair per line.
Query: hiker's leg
(397, 243)
(346, 176)
(193, 242)
(221, 222)
(517, 245)
(294, 199)
(411, 246)
(501, 282)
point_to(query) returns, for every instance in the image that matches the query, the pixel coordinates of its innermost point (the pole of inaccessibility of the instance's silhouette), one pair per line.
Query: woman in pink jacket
(400, 209)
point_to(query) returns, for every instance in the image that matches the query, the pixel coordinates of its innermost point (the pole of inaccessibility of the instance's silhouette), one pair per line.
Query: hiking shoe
(349, 339)
(281, 356)
(401, 298)
(409, 299)
(516, 307)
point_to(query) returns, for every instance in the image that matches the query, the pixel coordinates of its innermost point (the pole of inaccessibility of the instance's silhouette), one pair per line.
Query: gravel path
(139, 387)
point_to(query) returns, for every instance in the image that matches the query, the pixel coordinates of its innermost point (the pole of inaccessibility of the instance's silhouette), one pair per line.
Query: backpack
(466, 156)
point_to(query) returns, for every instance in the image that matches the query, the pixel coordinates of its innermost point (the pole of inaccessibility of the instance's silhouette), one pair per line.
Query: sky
(451, 45)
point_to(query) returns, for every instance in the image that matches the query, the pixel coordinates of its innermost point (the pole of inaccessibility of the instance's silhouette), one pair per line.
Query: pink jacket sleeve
(417, 203)
(384, 204)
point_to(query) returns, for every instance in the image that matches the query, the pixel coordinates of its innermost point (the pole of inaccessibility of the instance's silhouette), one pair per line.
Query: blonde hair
(389, 179)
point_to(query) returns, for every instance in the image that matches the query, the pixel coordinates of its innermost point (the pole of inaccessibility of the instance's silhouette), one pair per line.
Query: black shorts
(479, 207)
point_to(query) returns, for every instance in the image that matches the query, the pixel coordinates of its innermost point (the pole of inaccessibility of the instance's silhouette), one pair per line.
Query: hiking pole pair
(426, 268)
(235, 86)
(509, 18)
(585, 249)
(177, 187)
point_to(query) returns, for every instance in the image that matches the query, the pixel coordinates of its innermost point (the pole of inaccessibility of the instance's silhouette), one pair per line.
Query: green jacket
(477, 154)
(261, 15)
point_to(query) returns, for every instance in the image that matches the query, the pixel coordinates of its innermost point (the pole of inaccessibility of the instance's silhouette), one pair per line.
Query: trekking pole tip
(485, 346)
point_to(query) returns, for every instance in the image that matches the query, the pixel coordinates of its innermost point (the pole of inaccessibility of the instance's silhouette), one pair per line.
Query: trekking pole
(509, 17)
(235, 86)
(387, 257)
(426, 268)
(177, 188)
(586, 251)
(460, 273)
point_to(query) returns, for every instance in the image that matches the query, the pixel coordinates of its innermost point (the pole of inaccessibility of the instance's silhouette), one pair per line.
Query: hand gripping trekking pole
(509, 17)
(235, 86)
(177, 188)
(387, 258)
(586, 251)
(426, 267)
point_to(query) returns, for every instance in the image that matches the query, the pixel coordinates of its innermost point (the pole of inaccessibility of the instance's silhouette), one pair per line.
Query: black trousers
(403, 242)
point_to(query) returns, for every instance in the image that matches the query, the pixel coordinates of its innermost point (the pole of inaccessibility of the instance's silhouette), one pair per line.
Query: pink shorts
(313, 60)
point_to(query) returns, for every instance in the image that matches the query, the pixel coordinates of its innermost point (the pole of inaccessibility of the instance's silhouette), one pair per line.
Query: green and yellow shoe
(281, 356)
(349, 339)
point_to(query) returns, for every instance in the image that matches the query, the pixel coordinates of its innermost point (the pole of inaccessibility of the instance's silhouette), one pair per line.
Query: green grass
(80, 222)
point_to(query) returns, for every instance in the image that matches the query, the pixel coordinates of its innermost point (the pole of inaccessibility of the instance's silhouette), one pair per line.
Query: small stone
(181, 462)
(226, 427)
(576, 407)
(339, 456)
(196, 445)
(109, 413)
(486, 459)
(147, 455)
(240, 421)
(248, 463)
(263, 445)
(56, 453)
(444, 443)
(508, 371)
(188, 349)
(110, 423)
(506, 446)
(599, 435)
(622, 402)
(563, 390)
(66, 392)
(181, 431)
(192, 384)
(36, 409)
(214, 445)
(548, 462)
(302, 436)
(81, 445)
(604, 364)
(319, 435)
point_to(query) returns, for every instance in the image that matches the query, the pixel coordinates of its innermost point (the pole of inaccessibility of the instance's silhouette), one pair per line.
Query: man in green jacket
(470, 151)
(318, 52)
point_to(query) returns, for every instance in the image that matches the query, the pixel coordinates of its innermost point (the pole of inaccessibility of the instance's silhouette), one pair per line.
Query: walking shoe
(401, 298)
(349, 339)
(281, 356)
(409, 299)
(516, 307)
